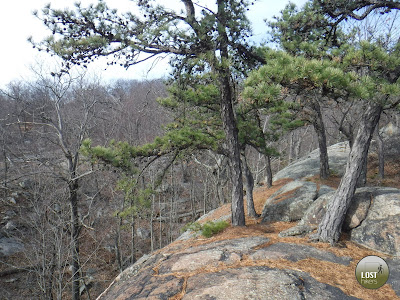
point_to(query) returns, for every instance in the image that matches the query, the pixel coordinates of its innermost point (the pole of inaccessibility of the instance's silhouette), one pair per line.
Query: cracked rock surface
(274, 259)
(239, 268)
(259, 283)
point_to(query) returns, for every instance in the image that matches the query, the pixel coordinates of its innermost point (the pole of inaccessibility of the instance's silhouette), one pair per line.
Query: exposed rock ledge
(265, 261)
(249, 263)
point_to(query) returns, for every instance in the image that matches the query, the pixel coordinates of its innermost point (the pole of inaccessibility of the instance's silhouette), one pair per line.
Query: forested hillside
(94, 175)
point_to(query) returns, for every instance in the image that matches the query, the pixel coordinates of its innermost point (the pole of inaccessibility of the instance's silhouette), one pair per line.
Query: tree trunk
(228, 119)
(160, 221)
(381, 154)
(291, 147)
(133, 243)
(52, 269)
(320, 130)
(75, 231)
(249, 189)
(5, 171)
(118, 257)
(268, 178)
(330, 227)
(362, 179)
(231, 133)
(218, 183)
(153, 199)
(297, 146)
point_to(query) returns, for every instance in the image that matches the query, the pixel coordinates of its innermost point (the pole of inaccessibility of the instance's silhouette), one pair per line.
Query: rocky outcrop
(291, 201)
(259, 283)
(373, 218)
(394, 278)
(267, 262)
(380, 230)
(308, 166)
(391, 141)
(241, 268)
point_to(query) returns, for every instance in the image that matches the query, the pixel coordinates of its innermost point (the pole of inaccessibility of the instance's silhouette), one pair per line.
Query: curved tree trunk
(330, 227)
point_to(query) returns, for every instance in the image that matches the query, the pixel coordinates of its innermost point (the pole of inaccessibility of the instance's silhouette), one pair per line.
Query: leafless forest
(52, 195)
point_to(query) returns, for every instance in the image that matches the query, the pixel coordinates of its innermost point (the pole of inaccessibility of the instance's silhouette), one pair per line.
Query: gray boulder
(309, 165)
(380, 230)
(391, 141)
(373, 218)
(291, 201)
(311, 218)
(143, 233)
(394, 278)
(10, 246)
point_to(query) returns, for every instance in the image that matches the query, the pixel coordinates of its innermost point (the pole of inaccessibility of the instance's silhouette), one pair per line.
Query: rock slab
(253, 283)
(309, 165)
(214, 271)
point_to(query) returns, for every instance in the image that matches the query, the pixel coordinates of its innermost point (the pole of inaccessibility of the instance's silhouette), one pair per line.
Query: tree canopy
(313, 62)
(204, 39)
(210, 54)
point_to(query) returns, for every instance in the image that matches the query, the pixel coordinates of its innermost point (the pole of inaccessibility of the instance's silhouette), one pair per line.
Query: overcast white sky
(17, 23)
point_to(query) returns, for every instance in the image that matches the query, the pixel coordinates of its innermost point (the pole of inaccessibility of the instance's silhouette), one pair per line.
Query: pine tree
(364, 72)
(216, 35)
(300, 33)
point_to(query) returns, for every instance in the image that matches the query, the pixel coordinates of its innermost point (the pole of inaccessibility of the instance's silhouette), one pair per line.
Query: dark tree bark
(231, 133)
(251, 211)
(330, 227)
(50, 283)
(362, 179)
(229, 121)
(349, 130)
(75, 231)
(320, 130)
(118, 256)
(358, 10)
(291, 147)
(381, 154)
(268, 178)
(133, 243)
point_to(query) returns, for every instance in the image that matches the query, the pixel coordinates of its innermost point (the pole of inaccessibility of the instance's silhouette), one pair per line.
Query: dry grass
(392, 172)
(330, 273)
(260, 196)
(333, 181)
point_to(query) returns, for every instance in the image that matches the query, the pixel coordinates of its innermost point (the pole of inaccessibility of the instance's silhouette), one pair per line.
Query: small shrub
(211, 228)
(194, 226)
(208, 229)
